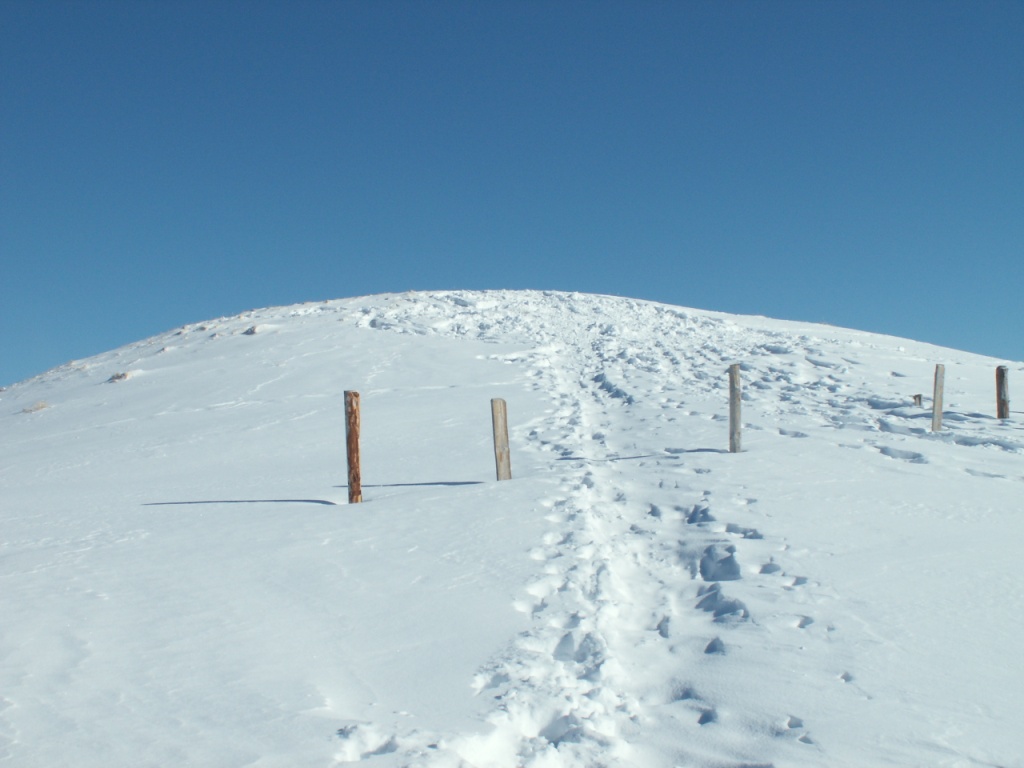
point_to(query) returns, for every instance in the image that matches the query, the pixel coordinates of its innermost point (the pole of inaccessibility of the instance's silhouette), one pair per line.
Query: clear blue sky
(165, 161)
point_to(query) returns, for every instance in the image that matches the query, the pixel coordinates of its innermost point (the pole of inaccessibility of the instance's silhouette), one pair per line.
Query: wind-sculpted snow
(842, 593)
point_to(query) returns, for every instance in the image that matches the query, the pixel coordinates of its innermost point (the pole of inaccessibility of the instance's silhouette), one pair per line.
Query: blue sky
(166, 162)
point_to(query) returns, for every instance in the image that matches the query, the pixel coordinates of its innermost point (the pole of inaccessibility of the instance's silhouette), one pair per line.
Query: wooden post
(1002, 393)
(918, 399)
(355, 482)
(940, 375)
(499, 421)
(734, 408)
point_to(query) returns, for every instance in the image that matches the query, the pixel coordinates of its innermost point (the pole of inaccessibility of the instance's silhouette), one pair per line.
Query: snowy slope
(184, 584)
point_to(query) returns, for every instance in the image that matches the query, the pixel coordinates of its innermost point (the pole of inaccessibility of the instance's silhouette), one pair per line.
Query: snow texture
(183, 582)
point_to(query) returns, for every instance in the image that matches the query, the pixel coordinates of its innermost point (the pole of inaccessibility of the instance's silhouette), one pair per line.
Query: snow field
(184, 583)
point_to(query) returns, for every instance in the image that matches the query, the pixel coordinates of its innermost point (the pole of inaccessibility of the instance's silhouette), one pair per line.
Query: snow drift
(183, 583)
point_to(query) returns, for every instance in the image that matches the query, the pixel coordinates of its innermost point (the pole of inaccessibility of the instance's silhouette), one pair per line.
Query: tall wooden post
(499, 421)
(940, 376)
(1002, 393)
(355, 482)
(734, 408)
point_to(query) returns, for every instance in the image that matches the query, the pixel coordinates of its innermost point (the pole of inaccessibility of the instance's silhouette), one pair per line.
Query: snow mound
(184, 583)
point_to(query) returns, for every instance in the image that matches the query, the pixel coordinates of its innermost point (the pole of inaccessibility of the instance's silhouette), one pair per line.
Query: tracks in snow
(638, 579)
(638, 601)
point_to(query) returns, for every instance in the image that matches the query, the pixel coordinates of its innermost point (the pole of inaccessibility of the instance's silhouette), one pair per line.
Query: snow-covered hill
(184, 584)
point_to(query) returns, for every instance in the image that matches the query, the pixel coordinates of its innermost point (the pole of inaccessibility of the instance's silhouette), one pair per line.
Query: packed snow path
(840, 593)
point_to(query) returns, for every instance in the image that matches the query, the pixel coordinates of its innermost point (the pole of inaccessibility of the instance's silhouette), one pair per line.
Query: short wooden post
(918, 399)
(734, 408)
(355, 482)
(940, 375)
(499, 422)
(1002, 393)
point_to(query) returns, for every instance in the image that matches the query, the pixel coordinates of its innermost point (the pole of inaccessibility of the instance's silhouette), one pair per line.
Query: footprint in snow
(988, 475)
(707, 716)
(797, 724)
(716, 566)
(911, 456)
(715, 647)
(746, 533)
(362, 740)
(723, 608)
(698, 514)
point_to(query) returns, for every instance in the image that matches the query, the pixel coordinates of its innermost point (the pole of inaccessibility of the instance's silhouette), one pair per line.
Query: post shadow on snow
(304, 501)
(985, 416)
(950, 415)
(676, 451)
(240, 501)
(416, 485)
(670, 453)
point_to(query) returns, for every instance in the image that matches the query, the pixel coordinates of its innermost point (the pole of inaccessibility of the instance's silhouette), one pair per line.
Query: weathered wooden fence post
(940, 376)
(918, 399)
(355, 482)
(734, 408)
(499, 422)
(1002, 393)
